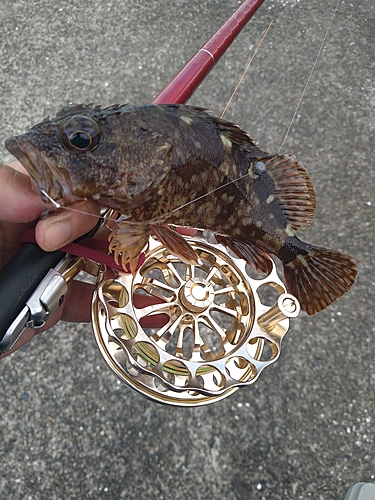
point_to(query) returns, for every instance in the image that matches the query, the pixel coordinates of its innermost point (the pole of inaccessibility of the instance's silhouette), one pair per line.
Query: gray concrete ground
(306, 428)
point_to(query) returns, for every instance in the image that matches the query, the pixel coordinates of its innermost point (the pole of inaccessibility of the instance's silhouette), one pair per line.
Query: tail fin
(320, 277)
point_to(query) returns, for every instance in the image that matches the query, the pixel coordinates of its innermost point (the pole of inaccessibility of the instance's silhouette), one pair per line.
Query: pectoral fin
(127, 241)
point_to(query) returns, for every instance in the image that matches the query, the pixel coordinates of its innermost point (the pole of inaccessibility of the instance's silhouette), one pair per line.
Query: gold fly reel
(216, 331)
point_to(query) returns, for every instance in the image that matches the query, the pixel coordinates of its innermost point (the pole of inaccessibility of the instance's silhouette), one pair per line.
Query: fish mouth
(38, 166)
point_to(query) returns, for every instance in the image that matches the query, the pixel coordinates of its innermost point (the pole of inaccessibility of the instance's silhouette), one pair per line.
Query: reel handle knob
(287, 306)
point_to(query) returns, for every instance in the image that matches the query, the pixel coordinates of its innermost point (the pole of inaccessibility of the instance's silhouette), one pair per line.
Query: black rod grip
(20, 277)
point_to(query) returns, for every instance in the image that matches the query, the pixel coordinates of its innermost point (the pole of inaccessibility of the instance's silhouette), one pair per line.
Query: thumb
(63, 227)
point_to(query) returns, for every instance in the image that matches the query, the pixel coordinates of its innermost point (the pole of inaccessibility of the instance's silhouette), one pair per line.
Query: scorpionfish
(176, 165)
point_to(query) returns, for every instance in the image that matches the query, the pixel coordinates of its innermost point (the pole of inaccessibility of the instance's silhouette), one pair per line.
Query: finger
(18, 203)
(16, 165)
(63, 227)
(187, 231)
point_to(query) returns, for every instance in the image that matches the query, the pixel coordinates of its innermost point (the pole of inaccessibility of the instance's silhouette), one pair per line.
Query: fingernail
(57, 234)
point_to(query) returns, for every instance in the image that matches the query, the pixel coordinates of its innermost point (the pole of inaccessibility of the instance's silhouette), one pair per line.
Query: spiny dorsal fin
(232, 131)
(293, 189)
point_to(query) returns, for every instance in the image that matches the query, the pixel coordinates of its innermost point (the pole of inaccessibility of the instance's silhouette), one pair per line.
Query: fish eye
(80, 134)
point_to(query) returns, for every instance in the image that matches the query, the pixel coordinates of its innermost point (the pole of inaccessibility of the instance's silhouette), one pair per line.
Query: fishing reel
(220, 323)
(180, 334)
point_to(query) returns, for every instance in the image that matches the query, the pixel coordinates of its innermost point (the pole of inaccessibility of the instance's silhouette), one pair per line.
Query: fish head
(86, 152)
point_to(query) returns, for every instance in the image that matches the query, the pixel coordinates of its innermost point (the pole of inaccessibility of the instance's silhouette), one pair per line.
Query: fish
(163, 166)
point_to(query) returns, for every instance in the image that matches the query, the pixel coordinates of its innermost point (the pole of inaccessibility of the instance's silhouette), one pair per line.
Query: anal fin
(253, 255)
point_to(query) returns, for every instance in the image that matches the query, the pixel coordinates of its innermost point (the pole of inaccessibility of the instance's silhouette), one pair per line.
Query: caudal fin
(320, 277)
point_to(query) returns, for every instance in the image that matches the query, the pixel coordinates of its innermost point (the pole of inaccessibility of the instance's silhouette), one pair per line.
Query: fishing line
(210, 192)
(121, 218)
(59, 206)
(310, 75)
(161, 220)
(296, 110)
(246, 69)
(71, 209)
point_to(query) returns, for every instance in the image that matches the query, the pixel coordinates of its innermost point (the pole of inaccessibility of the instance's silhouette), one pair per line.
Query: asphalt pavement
(68, 428)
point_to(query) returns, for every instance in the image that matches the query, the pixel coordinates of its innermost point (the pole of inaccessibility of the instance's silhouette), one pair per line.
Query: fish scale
(177, 165)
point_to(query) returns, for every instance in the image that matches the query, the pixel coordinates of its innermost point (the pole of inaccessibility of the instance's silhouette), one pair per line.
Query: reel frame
(218, 332)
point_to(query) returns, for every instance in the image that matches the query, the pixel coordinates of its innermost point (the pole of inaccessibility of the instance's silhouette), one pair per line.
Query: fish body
(164, 165)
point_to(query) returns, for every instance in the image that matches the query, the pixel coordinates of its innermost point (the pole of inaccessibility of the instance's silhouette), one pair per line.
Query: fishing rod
(191, 75)
(33, 283)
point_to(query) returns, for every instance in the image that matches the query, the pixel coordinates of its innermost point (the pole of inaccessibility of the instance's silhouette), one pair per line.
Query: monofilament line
(246, 69)
(54, 203)
(57, 205)
(295, 112)
(206, 194)
(310, 75)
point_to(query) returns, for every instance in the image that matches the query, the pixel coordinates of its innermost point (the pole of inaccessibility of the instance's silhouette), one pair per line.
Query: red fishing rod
(188, 79)
(28, 294)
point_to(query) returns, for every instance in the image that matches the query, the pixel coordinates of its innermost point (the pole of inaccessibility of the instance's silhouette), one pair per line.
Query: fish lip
(13, 146)
(36, 165)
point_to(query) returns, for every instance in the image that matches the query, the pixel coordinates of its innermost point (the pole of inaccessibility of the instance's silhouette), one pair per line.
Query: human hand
(20, 209)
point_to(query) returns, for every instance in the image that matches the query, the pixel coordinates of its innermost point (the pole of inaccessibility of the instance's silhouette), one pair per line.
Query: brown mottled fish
(178, 165)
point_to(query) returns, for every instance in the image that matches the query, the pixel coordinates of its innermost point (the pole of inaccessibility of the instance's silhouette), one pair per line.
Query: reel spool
(218, 333)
